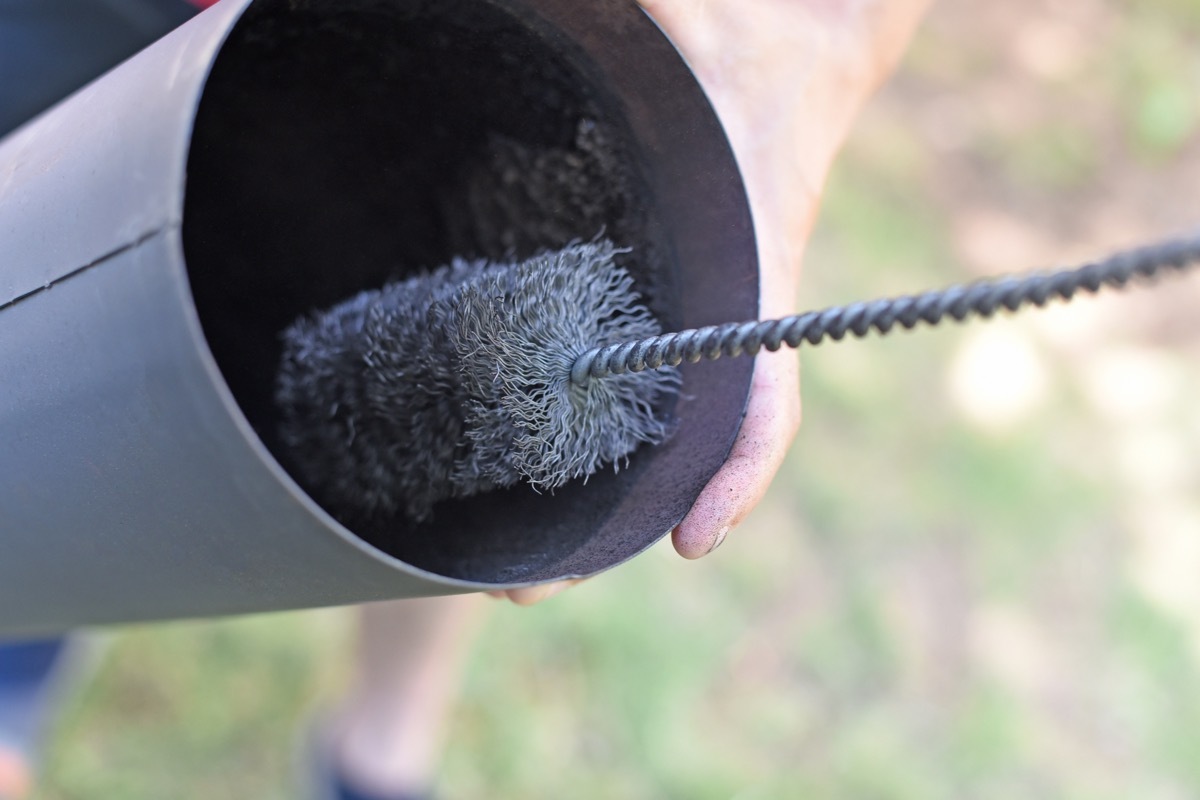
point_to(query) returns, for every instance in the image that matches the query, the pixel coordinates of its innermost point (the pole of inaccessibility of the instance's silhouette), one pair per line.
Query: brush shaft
(980, 299)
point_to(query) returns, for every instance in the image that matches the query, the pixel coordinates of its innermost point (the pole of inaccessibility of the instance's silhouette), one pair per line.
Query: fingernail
(720, 538)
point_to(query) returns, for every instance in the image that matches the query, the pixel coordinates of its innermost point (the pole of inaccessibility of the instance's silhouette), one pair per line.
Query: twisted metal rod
(982, 298)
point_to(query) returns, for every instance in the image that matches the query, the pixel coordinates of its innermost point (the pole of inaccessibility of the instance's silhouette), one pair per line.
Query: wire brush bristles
(457, 382)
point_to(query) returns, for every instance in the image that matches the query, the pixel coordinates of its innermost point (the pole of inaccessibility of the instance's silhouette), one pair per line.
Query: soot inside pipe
(346, 143)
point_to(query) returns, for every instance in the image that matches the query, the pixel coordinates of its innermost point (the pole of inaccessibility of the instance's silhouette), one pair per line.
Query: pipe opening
(343, 143)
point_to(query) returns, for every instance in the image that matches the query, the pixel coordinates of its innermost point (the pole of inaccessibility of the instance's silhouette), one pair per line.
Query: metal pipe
(159, 226)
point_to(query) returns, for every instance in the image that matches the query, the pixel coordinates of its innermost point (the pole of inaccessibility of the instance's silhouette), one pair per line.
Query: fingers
(786, 77)
(531, 595)
(772, 419)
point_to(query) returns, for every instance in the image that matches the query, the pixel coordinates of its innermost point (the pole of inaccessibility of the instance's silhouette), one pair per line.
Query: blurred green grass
(932, 603)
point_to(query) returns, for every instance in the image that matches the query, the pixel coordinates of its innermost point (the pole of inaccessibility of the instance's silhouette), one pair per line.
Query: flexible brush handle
(980, 299)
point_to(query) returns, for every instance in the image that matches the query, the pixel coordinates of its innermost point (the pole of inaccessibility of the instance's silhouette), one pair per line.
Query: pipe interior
(341, 144)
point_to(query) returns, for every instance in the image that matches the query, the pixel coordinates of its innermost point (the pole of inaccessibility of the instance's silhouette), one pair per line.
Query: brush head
(457, 382)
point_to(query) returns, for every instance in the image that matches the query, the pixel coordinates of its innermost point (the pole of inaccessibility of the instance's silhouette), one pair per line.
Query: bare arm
(787, 78)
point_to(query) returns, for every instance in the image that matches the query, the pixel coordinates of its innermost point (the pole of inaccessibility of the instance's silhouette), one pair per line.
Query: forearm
(787, 78)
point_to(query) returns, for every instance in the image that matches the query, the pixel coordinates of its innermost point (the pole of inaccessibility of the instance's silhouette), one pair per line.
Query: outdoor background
(978, 575)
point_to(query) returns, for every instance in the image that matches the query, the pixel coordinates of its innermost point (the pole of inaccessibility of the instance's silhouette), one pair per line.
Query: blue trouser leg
(26, 669)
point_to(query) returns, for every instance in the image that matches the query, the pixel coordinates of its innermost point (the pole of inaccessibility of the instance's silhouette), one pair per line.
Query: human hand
(786, 78)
